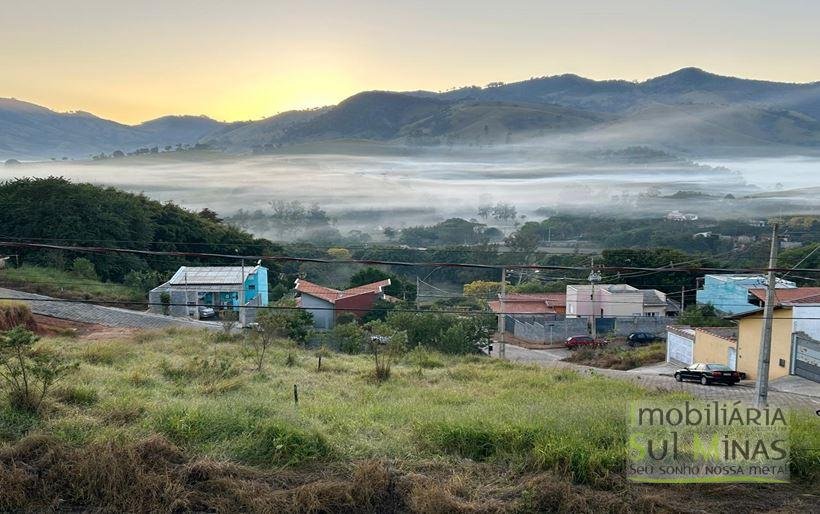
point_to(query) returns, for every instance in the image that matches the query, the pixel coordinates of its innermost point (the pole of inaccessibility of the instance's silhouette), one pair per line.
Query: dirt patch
(48, 326)
(40, 473)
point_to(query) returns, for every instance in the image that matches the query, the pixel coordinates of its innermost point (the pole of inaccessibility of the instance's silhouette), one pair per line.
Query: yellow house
(750, 332)
(716, 345)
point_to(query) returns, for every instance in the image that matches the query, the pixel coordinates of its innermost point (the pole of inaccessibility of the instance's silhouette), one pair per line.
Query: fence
(553, 329)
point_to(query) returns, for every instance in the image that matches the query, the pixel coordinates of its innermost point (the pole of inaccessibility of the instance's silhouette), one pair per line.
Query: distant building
(531, 304)
(326, 304)
(219, 287)
(730, 293)
(617, 300)
(679, 216)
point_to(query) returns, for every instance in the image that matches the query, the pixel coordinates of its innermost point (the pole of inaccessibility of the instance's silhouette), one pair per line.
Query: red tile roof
(534, 303)
(333, 295)
(791, 295)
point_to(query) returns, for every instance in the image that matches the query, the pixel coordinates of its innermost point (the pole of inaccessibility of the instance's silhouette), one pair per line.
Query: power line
(283, 258)
(292, 308)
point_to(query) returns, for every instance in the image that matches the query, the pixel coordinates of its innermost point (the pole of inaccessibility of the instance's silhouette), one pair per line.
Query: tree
(28, 373)
(390, 233)
(399, 287)
(83, 268)
(702, 316)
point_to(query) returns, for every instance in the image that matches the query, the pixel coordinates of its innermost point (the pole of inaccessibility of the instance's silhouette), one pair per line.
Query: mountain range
(689, 111)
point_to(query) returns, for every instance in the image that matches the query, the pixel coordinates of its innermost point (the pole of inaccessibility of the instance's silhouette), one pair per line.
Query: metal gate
(806, 357)
(604, 325)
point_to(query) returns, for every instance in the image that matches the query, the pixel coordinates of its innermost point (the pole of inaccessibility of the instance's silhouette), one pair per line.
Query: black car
(640, 338)
(708, 374)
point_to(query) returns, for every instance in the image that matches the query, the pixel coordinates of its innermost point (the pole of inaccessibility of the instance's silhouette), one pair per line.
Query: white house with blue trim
(219, 287)
(730, 293)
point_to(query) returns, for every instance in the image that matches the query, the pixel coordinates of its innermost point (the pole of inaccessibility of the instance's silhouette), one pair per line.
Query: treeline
(56, 211)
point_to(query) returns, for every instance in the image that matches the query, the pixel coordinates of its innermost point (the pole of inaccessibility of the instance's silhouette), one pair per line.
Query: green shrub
(28, 374)
(349, 337)
(84, 268)
(276, 443)
(423, 358)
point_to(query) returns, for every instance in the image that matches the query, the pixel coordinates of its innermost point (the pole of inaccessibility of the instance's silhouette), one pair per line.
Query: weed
(77, 395)
(105, 352)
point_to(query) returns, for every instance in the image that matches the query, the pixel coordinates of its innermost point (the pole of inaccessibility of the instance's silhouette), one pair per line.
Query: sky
(132, 61)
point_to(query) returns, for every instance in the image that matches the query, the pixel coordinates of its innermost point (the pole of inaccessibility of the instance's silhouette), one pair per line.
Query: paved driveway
(100, 315)
(650, 378)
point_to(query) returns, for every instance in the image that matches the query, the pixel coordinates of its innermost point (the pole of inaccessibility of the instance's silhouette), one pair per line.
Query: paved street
(650, 378)
(100, 315)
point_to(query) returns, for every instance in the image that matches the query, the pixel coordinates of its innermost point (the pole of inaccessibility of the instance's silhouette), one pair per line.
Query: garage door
(806, 358)
(678, 349)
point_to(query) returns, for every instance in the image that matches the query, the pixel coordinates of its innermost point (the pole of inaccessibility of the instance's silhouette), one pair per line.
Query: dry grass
(42, 474)
(619, 357)
(14, 314)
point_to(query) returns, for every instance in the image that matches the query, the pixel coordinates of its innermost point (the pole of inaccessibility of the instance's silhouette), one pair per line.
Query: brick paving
(101, 315)
(742, 392)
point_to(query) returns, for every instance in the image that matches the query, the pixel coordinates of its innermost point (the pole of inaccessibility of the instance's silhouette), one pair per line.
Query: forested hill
(56, 211)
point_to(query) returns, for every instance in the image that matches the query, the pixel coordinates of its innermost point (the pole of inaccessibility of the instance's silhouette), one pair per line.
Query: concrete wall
(547, 331)
(652, 324)
(748, 351)
(323, 313)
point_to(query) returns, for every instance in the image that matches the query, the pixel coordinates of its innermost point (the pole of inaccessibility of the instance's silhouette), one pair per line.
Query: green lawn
(63, 284)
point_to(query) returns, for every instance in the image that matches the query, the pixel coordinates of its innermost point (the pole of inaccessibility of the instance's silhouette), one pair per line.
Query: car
(640, 338)
(206, 312)
(708, 374)
(579, 341)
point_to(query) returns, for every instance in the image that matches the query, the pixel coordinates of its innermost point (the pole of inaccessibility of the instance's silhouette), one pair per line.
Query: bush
(84, 268)
(28, 374)
(348, 336)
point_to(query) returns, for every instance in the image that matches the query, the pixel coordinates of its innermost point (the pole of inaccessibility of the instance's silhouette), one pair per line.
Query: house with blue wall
(729, 293)
(219, 287)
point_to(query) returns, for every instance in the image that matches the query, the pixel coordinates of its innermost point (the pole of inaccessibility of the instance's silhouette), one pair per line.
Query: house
(531, 304)
(326, 304)
(757, 296)
(795, 348)
(220, 287)
(687, 345)
(729, 293)
(617, 300)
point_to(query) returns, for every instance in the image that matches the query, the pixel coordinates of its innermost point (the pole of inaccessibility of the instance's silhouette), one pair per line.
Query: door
(806, 358)
(731, 359)
(679, 349)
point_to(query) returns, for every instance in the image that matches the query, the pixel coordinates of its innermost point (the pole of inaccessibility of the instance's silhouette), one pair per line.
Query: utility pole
(682, 297)
(762, 383)
(502, 316)
(594, 276)
(242, 297)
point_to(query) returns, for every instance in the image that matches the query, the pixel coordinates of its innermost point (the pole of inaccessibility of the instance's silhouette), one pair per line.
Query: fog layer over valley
(366, 188)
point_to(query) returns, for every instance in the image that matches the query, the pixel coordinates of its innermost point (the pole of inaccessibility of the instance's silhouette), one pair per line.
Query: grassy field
(63, 284)
(445, 433)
